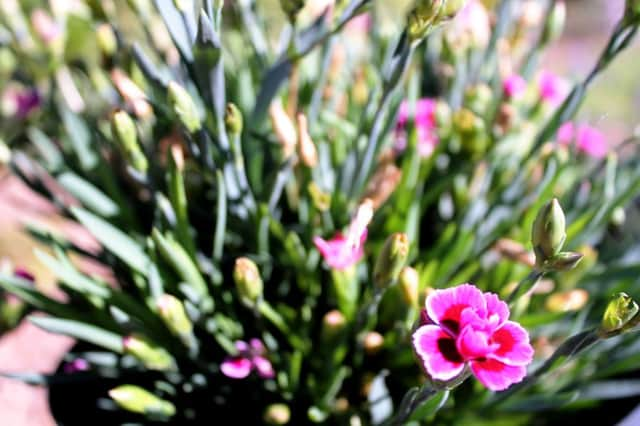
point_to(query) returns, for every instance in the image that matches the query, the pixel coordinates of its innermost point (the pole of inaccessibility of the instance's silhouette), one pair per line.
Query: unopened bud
(321, 200)
(137, 400)
(291, 8)
(233, 119)
(184, 107)
(124, 132)
(333, 324)
(373, 342)
(277, 414)
(632, 12)
(554, 25)
(175, 317)
(472, 131)
(618, 216)
(423, 18)
(478, 98)
(568, 301)
(153, 357)
(106, 38)
(409, 285)
(452, 7)
(620, 311)
(443, 118)
(382, 184)
(548, 232)
(183, 5)
(283, 128)
(391, 260)
(248, 281)
(306, 148)
(564, 261)
(132, 94)
(46, 27)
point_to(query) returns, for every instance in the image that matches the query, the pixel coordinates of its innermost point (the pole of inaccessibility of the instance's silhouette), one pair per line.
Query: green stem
(524, 286)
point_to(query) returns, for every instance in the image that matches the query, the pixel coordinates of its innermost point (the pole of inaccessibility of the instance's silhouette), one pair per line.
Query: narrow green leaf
(79, 330)
(88, 194)
(114, 240)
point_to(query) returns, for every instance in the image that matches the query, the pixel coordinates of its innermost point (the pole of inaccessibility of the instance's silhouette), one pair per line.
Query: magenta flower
(588, 140)
(425, 123)
(514, 86)
(464, 327)
(76, 366)
(250, 357)
(553, 89)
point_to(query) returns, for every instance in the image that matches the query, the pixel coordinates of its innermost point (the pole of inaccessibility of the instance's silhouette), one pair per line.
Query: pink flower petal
(264, 367)
(241, 346)
(445, 306)
(438, 353)
(591, 141)
(513, 345)
(497, 376)
(553, 89)
(473, 343)
(336, 253)
(514, 86)
(256, 346)
(497, 310)
(566, 133)
(236, 368)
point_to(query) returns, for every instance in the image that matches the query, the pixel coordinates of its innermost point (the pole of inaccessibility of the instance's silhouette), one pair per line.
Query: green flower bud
(277, 414)
(248, 281)
(175, 317)
(548, 232)
(333, 324)
(423, 17)
(321, 200)
(563, 261)
(153, 357)
(291, 8)
(478, 98)
(182, 5)
(184, 107)
(391, 260)
(409, 283)
(8, 61)
(233, 119)
(554, 25)
(106, 38)
(620, 311)
(471, 130)
(137, 400)
(124, 132)
(452, 7)
(632, 12)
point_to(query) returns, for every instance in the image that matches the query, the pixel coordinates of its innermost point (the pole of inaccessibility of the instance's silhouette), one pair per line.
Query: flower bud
(478, 98)
(184, 107)
(423, 17)
(548, 232)
(124, 133)
(632, 12)
(409, 282)
(233, 119)
(175, 317)
(620, 311)
(183, 5)
(333, 324)
(554, 25)
(306, 148)
(291, 8)
(107, 41)
(452, 7)
(373, 342)
(284, 129)
(472, 131)
(132, 94)
(137, 400)
(382, 184)
(277, 414)
(248, 281)
(47, 29)
(321, 200)
(391, 260)
(151, 355)
(568, 301)
(564, 261)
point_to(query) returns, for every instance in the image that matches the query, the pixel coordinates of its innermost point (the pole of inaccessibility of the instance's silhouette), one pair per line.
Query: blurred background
(611, 106)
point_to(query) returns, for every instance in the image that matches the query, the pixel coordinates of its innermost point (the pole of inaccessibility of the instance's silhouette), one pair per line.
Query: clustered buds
(427, 14)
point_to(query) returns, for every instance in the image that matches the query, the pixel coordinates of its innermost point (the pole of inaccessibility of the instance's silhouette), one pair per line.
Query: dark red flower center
(448, 349)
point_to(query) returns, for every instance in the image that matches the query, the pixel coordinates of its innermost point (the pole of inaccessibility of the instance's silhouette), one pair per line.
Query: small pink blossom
(463, 326)
(75, 366)
(471, 25)
(250, 357)
(588, 140)
(514, 86)
(341, 252)
(425, 123)
(553, 89)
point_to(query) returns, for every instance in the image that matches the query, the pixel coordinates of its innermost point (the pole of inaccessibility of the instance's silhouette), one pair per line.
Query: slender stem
(524, 286)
